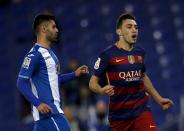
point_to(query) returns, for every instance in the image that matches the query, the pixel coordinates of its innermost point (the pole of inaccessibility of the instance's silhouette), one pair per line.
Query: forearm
(150, 89)
(63, 78)
(24, 87)
(94, 86)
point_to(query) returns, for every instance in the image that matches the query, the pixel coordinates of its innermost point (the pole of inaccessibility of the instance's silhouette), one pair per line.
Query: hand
(166, 103)
(81, 70)
(44, 108)
(107, 90)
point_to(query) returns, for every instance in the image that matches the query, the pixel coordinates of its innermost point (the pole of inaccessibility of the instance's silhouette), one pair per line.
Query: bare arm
(150, 89)
(165, 103)
(95, 87)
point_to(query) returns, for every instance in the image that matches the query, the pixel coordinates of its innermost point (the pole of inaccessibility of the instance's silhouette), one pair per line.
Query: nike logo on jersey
(119, 60)
(151, 126)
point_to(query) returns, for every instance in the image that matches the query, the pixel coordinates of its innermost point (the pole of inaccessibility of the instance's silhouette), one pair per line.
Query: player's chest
(126, 63)
(50, 64)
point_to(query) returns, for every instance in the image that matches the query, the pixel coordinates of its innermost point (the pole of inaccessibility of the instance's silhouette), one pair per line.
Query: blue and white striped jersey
(42, 68)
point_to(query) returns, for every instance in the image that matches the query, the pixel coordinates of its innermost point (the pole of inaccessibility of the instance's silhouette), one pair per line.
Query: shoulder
(34, 50)
(139, 49)
(108, 49)
(31, 58)
(43, 52)
(39, 52)
(33, 53)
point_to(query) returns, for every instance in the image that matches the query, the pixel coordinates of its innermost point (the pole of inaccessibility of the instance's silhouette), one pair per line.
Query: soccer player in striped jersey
(123, 65)
(39, 78)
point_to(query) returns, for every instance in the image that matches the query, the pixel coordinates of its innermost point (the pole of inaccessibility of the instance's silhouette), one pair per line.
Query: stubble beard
(52, 37)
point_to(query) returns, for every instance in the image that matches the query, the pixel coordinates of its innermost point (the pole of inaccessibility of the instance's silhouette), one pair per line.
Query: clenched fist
(81, 70)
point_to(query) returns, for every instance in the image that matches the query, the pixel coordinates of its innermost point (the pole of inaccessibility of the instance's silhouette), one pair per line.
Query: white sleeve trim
(24, 76)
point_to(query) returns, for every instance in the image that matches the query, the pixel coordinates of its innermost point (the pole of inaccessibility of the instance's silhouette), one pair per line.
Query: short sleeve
(29, 65)
(101, 65)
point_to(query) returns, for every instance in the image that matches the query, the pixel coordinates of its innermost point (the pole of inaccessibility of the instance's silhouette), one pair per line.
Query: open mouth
(134, 36)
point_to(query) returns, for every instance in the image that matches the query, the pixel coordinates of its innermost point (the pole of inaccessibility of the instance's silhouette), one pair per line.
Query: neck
(43, 42)
(124, 45)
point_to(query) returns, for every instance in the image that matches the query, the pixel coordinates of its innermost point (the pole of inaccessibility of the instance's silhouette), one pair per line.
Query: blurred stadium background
(87, 27)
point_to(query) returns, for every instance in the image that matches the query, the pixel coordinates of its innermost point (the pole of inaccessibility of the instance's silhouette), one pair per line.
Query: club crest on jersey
(140, 59)
(26, 62)
(97, 63)
(131, 59)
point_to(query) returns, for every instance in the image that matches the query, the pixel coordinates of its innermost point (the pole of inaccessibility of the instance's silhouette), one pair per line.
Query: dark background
(86, 28)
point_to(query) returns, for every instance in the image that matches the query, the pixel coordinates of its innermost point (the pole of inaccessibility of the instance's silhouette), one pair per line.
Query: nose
(134, 30)
(57, 30)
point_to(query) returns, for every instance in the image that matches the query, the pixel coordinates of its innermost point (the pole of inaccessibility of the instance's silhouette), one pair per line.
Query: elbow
(21, 82)
(90, 84)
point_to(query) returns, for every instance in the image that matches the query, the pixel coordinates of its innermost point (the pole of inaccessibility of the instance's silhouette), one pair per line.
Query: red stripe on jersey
(127, 104)
(124, 60)
(128, 90)
(114, 76)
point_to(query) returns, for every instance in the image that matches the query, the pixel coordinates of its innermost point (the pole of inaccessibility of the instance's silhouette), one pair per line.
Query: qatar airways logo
(131, 75)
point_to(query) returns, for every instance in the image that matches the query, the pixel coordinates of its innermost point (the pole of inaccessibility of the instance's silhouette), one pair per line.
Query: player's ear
(118, 32)
(44, 27)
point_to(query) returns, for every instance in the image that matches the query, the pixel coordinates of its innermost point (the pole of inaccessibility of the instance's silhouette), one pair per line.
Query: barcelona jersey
(124, 70)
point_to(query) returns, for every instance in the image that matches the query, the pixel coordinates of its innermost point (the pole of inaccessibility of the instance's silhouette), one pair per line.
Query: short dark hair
(124, 17)
(39, 19)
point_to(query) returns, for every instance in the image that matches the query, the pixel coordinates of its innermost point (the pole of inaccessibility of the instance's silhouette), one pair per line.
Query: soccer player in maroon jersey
(128, 84)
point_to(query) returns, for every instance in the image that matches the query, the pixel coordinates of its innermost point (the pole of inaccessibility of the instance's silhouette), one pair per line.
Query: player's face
(129, 31)
(52, 31)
